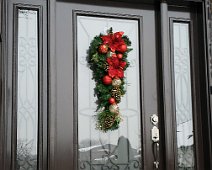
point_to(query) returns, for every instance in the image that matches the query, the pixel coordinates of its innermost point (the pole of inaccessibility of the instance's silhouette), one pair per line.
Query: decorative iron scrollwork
(110, 157)
(131, 165)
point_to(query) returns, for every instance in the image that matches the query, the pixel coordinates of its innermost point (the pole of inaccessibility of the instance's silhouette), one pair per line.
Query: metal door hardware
(156, 155)
(156, 164)
(155, 134)
(154, 119)
(155, 139)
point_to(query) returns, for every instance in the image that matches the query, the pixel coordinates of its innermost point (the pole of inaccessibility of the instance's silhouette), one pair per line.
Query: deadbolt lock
(154, 119)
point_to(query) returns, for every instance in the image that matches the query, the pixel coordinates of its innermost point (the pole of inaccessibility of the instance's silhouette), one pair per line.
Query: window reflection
(109, 156)
(119, 149)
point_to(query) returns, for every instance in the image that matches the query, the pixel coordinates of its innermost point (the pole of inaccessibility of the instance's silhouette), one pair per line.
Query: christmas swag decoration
(107, 58)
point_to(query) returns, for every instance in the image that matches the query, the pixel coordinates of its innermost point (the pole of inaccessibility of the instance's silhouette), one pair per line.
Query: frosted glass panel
(183, 97)
(27, 111)
(119, 149)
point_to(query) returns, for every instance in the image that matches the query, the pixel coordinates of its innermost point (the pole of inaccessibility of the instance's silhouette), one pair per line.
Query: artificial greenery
(106, 120)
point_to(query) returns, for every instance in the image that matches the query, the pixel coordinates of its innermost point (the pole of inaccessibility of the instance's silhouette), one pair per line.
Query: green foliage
(110, 31)
(126, 40)
(97, 63)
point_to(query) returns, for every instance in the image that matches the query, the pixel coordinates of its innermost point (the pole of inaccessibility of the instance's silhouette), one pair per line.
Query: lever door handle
(156, 155)
(155, 139)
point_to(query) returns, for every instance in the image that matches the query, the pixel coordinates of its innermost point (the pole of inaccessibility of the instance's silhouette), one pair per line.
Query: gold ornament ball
(114, 108)
(116, 82)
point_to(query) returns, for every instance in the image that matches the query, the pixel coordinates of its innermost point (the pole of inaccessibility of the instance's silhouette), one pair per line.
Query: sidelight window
(27, 89)
(183, 96)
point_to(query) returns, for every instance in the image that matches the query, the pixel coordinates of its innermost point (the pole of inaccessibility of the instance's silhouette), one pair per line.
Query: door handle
(155, 139)
(156, 155)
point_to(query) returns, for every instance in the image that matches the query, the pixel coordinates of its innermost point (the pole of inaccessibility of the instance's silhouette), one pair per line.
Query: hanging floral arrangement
(107, 58)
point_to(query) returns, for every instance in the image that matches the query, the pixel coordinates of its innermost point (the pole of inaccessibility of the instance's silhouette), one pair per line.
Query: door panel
(25, 85)
(185, 68)
(76, 25)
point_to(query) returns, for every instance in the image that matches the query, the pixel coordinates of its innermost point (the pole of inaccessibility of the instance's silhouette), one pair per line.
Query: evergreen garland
(107, 58)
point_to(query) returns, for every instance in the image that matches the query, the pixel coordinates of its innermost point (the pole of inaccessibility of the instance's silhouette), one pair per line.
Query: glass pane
(119, 149)
(183, 97)
(27, 115)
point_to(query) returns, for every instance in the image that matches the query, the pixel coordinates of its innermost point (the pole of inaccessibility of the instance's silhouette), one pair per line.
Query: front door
(130, 146)
(135, 144)
(118, 88)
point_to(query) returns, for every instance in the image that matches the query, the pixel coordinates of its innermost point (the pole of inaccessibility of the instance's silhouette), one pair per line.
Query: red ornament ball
(107, 80)
(123, 48)
(112, 100)
(103, 49)
(120, 56)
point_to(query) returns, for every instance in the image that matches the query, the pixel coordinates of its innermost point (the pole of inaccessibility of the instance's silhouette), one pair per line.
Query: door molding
(75, 87)
(166, 115)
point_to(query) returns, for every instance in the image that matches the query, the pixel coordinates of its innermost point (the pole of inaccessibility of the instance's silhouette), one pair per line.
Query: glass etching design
(27, 110)
(120, 149)
(183, 97)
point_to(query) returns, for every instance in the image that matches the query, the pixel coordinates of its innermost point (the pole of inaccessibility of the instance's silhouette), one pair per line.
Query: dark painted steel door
(167, 74)
(166, 87)
(129, 147)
